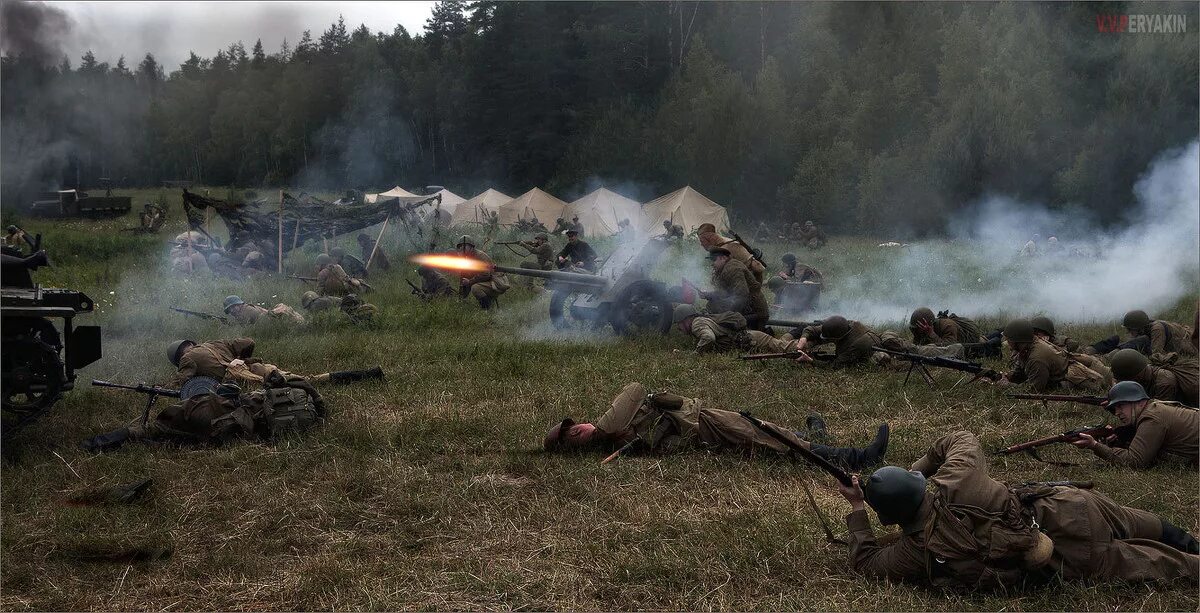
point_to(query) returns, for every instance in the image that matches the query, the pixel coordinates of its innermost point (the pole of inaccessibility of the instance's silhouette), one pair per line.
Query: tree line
(868, 117)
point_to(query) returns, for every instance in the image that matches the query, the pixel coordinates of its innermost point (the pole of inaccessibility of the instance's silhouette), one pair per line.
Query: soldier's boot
(1103, 347)
(1176, 537)
(854, 458)
(817, 431)
(108, 441)
(350, 376)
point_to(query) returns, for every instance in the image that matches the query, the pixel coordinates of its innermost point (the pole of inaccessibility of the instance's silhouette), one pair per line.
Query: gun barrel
(1092, 400)
(750, 357)
(592, 281)
(785, 323)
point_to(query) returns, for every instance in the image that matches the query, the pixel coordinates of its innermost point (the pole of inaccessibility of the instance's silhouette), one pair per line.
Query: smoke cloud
(1147, 261)
(33, 30)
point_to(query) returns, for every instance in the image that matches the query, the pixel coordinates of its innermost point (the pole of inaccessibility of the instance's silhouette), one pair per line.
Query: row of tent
(599, 212)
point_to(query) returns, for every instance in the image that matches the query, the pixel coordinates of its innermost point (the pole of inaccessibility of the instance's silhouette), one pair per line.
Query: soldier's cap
(572, 232)
(232, 301)
(682, 312)
(541, 236)
(197, 386)
(175, 350)
(896, 495)
(553, 438)
(717, 251)
(1126, 391)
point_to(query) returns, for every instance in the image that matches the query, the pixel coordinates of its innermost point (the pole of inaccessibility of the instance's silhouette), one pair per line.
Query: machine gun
(1124, 435)
(621, 294)
(153, 391)
(202, 315)
(919, 362)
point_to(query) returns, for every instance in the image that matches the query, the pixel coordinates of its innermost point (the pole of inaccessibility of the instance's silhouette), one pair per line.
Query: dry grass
(425, 492)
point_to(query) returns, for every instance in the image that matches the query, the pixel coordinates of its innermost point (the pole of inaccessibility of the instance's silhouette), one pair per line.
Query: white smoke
(1148, 260)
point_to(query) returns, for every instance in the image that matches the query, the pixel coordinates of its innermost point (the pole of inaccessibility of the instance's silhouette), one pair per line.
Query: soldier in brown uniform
(811, 236)
(1162, 429)
(433, 283)
(1169, 376)
(974, 532)
(1043, 328)
(853, 343)
(1148, 336)
(248, 314)
(665, 422)
(947, 328)
(736, 290)
(311, 301)
(542, 252)
(720, 332)
(1046, 368)
(671, 231)
(231, 360)
(332, 279)
(484, 285)
(709, 240)
(798, 286)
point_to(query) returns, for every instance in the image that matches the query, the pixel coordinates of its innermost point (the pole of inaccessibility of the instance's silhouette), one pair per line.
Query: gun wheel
(33, 381)
(641, 308)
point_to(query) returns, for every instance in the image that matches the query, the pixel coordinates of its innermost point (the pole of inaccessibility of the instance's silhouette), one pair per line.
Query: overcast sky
(170, 29)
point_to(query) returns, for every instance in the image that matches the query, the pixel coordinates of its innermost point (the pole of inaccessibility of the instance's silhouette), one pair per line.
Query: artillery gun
(33, 372)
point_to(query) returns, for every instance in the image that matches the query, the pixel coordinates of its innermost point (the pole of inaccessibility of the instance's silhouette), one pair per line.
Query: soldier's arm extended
(186, 370)
(705, 334)
(1143, 449)
(895, 561)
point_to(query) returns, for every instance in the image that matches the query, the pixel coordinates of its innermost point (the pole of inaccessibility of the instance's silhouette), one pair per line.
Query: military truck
(76, 203)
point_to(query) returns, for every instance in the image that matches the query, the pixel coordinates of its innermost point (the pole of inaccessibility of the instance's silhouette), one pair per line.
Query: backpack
(283, 412)
(967, 327)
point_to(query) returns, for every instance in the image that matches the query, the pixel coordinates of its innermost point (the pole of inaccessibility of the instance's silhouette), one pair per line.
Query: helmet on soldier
(232, 301)
(1019, 331)
(11, 229)
(682, 312)
(337, 253)
(895, 494)
(1042, 324)
(308, 298)
(176, 349)
(1126, 391)
(835, 327)
(1135, 320)
(465, 240)
(924, 314)
(324, 260)
(705, 228)
(1128, 364)
(788, 258)
(351, 301)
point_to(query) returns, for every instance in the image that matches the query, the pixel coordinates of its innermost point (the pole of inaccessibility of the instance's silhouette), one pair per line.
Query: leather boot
(817, 431)
(1175, 536)
(1105, 346)
(109, 441)
(350, 376)
(854, 458)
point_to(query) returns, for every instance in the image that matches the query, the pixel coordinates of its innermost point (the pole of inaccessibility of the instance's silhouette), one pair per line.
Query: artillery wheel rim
(641, 308)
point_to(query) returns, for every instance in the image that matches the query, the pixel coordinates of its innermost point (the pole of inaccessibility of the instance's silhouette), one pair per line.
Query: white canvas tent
(396, 192)
(533, 203)
(450, 202)
(600, 211)
(471, 211)
(686, 208)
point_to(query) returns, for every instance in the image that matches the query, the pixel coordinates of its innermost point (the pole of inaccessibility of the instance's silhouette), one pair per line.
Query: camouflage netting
(258, 221)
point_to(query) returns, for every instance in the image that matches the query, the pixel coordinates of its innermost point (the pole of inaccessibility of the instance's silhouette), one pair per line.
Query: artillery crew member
(736, 289)
(1046, 368)
(1165, 376)
(485, 285)
(213, 413)
(433, 283)
(311, 301)
(665, 422)
(709, 240)
(244, 313)
(366, 246)
(974, 532)
(541, 250)
(1161, 429)
(673, 232)
(577, 253)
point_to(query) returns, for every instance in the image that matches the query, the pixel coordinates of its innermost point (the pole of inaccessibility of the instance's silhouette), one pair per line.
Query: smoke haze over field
(1148, 263)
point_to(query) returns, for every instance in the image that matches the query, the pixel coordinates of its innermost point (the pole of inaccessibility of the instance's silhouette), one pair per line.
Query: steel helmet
(1128, 364)
(175, 350)
(1019, 331)
(1126, 391)
(232, 301)
(835, 327)
(682, 312)
(921, 314)
(895, 494)
(1042, 324)
(1135, 320)
(324, 260)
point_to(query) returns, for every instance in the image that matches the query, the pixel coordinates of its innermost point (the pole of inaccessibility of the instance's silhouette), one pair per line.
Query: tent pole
(279, 239)
(375, 248)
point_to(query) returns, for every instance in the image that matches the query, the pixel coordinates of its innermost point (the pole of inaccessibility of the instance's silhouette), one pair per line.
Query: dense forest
(865, 116)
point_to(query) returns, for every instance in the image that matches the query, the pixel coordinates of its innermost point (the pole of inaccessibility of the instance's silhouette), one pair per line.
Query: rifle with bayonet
(202, 315)
(919, 362)
(785, 355)
(153, 391)
(1092, 400)
(1124, 435)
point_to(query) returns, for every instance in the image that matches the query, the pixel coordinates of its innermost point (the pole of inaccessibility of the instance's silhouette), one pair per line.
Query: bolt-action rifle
(1124, 434)
(201, 315)
(153, 391)
(820, 357)
(1092, 400)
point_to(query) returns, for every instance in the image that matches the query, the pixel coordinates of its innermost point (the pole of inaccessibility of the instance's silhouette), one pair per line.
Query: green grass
(425, 491)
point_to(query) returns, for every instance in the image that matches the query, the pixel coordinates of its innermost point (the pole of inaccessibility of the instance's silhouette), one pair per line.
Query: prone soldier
(233, 361)
(1161, 429)
(1149, 336)
(314, 302)
(1171, 377)
(665, 422)
(244, 313)
(1043, 328)
(974, 532)
(854, 343)
(720, 332)
(358, 311)
(1046, 368)
(947, 328)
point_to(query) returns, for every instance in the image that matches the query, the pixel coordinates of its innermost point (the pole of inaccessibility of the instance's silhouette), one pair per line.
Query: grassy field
(427, 490)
